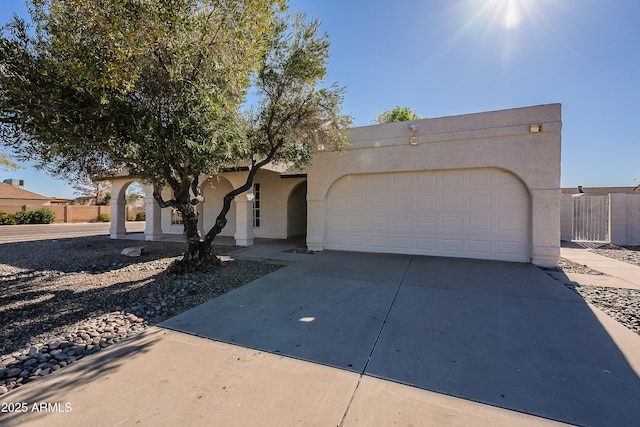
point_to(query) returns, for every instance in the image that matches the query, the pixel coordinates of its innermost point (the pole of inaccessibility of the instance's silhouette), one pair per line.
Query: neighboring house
(13, 198)
(483, 185)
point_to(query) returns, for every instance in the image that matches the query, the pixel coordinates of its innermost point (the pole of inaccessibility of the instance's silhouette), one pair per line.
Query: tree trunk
(199, 255)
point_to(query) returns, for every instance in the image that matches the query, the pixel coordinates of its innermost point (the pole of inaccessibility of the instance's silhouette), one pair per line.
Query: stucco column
(200, 209)
(315, 222)
(153, 215)
(244, 219)
(118, 229)
(545, 227)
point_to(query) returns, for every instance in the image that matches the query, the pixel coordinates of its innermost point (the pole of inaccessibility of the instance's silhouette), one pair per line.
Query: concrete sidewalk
(359, 340)
(618, 274)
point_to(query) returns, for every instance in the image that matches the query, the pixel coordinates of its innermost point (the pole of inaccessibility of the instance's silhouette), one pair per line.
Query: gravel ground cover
(61, 300)
(628, 254)
(621, 304)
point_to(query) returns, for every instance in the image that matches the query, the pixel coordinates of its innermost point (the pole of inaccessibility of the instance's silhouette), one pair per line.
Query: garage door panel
(338, 220)
(403, 201)
(480, 223)
(358, 221)
(480, 247)
(379, 202)
(468, 213)
(426, 222)
(452, 223)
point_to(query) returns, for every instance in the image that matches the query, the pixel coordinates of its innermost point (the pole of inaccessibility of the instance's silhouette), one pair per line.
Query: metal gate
(591, 218)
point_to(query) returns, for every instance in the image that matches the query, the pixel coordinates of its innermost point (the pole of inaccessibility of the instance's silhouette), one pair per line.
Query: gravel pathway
(61, 300)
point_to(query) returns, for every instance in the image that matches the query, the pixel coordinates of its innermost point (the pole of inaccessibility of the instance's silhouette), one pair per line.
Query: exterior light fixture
(535, 128)
(413, 127)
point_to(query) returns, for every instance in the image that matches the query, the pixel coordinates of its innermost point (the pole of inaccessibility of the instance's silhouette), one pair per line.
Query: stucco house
(483, 185)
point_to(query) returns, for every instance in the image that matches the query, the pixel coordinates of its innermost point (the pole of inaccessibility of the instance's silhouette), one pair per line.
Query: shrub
(104, 217)
(7, 219)
(141, 216)
(22, 217)
(42, 216)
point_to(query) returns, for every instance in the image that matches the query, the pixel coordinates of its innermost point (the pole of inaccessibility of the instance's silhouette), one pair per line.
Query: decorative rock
(135, 251)
(30, 362)
(9, 361)
(3, 390)
(13, 372)
(33, 350)
(53, 344)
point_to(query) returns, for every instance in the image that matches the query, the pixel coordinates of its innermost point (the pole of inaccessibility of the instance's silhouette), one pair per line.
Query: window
(176, 217)
(256, 205)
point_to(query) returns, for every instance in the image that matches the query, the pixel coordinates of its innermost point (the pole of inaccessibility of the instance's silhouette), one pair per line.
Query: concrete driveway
(355, 339)
(503, 334)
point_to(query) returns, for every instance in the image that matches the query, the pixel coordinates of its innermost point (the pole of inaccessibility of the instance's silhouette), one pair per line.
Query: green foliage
(42, 216)
(295, 113)
(154, 85)
(37, 216)
(22, 217)
(104, 217)
(398, 114)
(141, 216)
(158, 86)
(7, 219)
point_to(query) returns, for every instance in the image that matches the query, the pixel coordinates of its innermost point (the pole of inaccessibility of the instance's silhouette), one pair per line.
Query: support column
(315, 222)
(118, 229)
(153, 215)
(244, 219)
(545, 227)
(201, 211)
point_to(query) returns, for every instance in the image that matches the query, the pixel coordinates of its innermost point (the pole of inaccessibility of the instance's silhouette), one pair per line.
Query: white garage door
(476, 213)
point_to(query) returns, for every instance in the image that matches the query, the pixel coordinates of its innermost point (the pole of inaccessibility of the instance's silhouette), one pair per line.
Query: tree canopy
(397, 114)
(157, 86)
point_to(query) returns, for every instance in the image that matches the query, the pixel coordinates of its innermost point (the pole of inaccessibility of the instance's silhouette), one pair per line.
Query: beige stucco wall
(274, 195)
(624, 219)
(499, 139)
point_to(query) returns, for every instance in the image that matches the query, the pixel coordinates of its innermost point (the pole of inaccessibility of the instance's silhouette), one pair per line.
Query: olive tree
(157, 86)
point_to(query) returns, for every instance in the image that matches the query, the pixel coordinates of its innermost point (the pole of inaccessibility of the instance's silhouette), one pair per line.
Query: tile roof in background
(8, 191)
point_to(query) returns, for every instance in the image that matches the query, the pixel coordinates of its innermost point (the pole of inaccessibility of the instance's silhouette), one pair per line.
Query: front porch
(275, 208)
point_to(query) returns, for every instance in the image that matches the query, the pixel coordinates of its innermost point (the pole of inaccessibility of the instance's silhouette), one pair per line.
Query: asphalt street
(25, 233)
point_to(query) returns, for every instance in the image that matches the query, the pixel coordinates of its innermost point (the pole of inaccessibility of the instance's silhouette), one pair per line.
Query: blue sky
(451, 57)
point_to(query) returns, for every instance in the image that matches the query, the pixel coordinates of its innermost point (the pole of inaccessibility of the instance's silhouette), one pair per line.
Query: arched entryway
(297, 211)
(120, 214)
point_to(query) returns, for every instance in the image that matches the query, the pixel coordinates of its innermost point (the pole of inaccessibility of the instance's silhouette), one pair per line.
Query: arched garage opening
(468, 213)
(297, 211)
